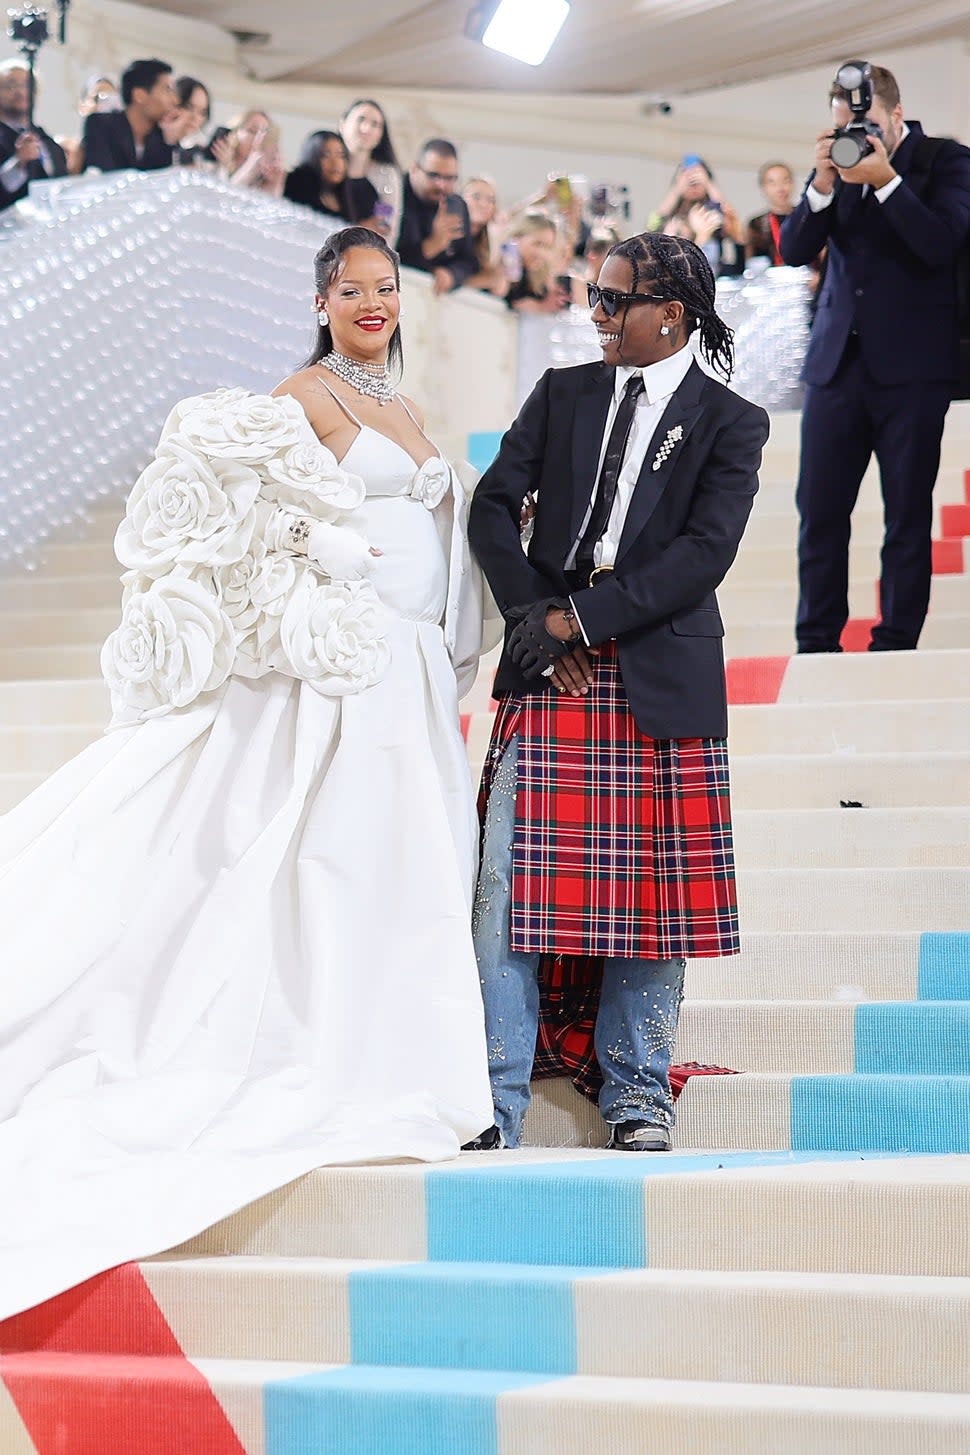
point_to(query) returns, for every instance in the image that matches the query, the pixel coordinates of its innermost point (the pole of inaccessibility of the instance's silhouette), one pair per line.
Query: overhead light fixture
(522, 29)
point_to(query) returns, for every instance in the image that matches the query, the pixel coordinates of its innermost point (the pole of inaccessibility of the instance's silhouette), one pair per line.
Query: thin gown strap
(336, 397)
(418, 427)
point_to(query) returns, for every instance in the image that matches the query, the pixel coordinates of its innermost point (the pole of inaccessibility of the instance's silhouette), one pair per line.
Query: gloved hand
(534, 650)
(340, 552)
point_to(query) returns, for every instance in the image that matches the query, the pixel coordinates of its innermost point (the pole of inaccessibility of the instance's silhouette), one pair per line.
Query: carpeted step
(43, 591)
(58, 626)
(911, 1038)
(855, 899)
(69, 700)
(767, 638)
(876, 676)
(742, 601)
(229, 1407)
(30, 663)
(873, 838)
(771, 1111)
(821, 1211)
(869, 1331)
(850, 727)
(875, 780)
(823, 965)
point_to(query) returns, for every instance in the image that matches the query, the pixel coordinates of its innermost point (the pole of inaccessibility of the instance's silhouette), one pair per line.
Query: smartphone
(564, 191)
(691, 160)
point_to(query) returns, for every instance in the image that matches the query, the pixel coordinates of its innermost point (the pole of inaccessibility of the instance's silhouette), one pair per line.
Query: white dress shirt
(659, 383)
(818, 201)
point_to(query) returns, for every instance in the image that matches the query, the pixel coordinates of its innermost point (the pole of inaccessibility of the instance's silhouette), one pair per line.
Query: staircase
(802, 1288)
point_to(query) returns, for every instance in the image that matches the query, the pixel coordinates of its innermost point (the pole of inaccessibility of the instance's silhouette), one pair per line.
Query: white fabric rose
(174, 642)
(232, 424)
(432, 482)
(308, 478)
(253, 593)
(187, 510)
(333, 637)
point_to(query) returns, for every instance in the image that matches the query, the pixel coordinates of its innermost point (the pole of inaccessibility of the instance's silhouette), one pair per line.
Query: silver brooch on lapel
(673, 435)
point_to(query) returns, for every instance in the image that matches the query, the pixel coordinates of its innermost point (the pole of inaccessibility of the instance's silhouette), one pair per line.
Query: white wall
(517, 139)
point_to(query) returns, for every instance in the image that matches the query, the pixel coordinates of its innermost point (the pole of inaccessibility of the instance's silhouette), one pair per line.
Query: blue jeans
(639, 1004)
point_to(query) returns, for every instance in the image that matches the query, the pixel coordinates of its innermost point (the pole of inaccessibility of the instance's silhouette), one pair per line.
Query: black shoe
(488, 1141)
(639, 1137)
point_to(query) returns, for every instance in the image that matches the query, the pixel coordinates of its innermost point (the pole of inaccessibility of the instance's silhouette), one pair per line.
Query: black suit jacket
(891, 270)
(416, 223)
(681, 535)
(109, 144)
(35, 170)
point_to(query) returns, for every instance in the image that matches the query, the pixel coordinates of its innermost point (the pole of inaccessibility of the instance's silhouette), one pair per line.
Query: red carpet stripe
(947, 558)
(108, 1404)
(955, 520)
(856, 633)
(755, 679)
(98, 1371)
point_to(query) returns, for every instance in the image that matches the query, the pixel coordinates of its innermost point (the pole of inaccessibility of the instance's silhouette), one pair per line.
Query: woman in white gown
(236, 939)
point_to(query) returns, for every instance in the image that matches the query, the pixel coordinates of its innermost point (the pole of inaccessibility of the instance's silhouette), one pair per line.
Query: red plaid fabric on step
(622, 842)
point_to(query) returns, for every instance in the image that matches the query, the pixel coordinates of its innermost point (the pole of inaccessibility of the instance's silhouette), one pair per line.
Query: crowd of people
(537, 254)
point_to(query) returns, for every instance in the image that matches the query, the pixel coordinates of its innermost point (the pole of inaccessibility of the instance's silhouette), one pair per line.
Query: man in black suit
(27, 154)
(134, 137)
(436, 234)
(882, 360)
(607, 832)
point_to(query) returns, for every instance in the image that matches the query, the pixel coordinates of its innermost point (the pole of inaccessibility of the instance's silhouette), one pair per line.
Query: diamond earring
(665, 330)
(323, 317)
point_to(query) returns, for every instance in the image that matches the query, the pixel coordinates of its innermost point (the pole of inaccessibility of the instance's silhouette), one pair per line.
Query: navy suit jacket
(681, 534)
(891, 270)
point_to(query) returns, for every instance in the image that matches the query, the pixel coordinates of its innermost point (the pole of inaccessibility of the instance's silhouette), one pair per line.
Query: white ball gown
(236, 939)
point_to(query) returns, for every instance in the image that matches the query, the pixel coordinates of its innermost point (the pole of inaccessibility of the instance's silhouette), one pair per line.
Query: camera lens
(847, 150)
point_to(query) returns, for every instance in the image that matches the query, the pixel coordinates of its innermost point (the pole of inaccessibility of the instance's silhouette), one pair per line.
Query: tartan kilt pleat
(623, 843)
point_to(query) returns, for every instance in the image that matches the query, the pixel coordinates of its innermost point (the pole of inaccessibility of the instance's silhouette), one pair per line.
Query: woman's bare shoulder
(415, 410)
(305, 387)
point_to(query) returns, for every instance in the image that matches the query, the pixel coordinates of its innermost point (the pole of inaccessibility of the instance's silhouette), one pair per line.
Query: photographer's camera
(852, 142)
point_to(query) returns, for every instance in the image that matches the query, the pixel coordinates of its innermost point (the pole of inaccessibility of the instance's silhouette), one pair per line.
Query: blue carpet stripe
(588, 1214)
(944, 967)
(483, 447)
(456, 1316)
(358, 1410)
(890, 1114)
(913, 1038)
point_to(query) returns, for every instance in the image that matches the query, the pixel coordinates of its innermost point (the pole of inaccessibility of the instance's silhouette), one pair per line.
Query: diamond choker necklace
(371, 380)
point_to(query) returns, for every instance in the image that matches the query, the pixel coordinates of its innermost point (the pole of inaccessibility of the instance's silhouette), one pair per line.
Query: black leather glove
(531, 647)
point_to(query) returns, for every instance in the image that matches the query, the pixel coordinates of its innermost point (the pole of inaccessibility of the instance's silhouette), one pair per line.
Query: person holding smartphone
(436, 232)
(248, 153)
(695, 208)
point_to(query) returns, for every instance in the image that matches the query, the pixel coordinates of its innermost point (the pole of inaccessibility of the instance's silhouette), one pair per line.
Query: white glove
(340, 552)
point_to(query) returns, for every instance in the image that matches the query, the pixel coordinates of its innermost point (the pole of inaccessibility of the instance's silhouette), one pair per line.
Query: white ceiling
(620, 47)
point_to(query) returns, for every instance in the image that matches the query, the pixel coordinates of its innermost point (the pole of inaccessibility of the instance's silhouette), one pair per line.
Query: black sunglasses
(611, 301)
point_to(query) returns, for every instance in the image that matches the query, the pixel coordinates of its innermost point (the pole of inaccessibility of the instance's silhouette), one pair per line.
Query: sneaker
(639, 1137)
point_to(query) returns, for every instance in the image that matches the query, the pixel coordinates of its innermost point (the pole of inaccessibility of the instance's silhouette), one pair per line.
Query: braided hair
(677, 270)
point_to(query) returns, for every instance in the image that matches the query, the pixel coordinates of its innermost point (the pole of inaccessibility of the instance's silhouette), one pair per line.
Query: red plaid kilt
(622, 842)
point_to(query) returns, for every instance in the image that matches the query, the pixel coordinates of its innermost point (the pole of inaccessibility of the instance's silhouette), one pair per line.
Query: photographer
(26, 155)
(883, 356)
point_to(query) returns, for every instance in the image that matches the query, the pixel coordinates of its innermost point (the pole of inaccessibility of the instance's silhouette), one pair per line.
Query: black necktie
(609, 474)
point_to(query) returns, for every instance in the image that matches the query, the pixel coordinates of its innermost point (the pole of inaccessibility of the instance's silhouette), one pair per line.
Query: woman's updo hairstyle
(326, 267)
(677, 270)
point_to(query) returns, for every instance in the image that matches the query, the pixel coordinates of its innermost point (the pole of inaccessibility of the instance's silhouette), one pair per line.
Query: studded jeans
(639, 1003)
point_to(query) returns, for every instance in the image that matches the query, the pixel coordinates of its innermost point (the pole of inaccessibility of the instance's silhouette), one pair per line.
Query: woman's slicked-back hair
(384, 150)
(677, 270)
(326, 267)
